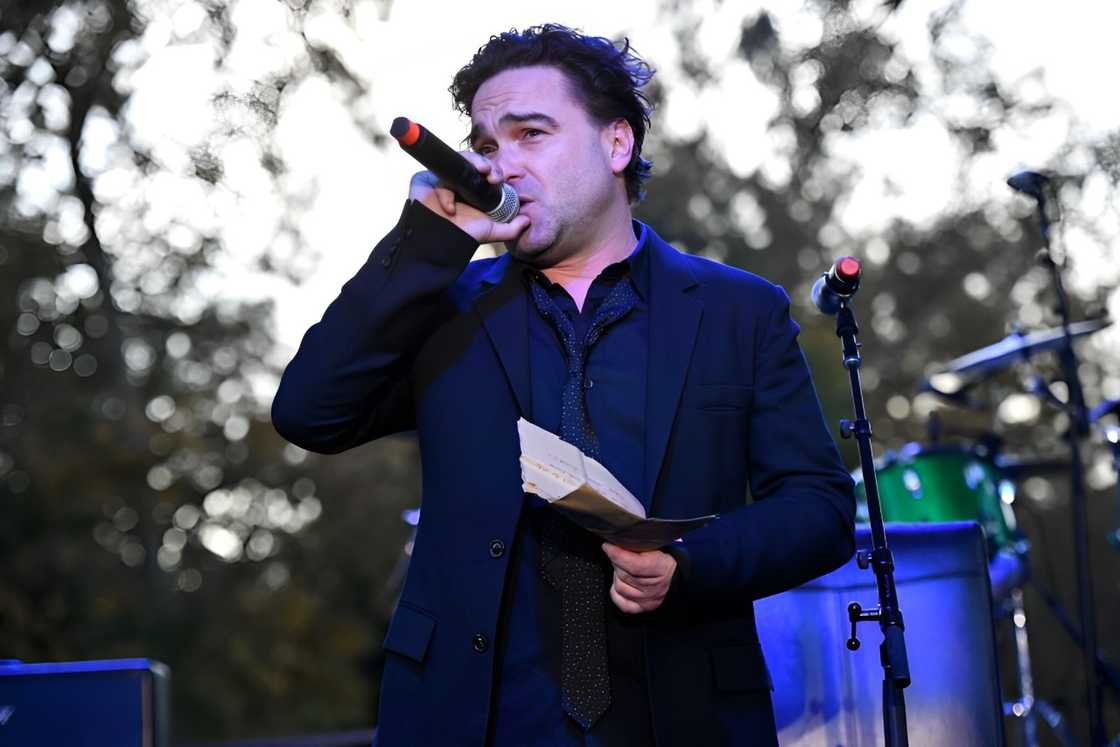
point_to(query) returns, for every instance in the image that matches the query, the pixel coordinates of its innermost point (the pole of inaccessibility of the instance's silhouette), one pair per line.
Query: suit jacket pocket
(740, 666)
(410, 632)
(717, 397)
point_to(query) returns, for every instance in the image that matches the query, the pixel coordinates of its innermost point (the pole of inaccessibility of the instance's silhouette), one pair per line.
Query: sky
(408, 56)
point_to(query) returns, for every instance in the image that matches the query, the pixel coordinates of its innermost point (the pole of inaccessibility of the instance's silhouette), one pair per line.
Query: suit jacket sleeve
(349, 381)
(800, 523)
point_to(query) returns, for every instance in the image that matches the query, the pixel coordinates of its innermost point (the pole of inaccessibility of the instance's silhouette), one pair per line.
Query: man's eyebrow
(512, 117)
(477, 133)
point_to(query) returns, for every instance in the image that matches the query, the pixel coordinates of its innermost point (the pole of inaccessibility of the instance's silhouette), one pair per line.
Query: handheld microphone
(499, 201)
(837, 285)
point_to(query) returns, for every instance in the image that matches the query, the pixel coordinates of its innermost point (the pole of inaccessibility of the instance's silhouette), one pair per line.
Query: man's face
(547, 147)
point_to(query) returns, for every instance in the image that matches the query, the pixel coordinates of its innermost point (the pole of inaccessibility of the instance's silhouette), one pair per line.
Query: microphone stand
(892, 651)
(1079, 428)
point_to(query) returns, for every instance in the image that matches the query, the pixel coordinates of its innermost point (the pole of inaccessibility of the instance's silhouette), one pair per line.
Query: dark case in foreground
(116, 703)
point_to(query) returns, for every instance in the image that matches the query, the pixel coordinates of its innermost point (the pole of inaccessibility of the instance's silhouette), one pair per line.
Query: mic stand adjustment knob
(856, 615)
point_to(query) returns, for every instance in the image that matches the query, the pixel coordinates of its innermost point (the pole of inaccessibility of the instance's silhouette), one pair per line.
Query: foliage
(151, 509)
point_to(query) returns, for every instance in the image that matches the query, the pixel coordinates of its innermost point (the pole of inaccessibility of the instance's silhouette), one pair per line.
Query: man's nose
(508, 164)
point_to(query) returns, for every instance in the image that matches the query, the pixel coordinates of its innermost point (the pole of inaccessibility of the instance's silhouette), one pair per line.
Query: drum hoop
(910, 453)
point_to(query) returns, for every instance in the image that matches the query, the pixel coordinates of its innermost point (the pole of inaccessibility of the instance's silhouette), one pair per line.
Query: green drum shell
(943, 485)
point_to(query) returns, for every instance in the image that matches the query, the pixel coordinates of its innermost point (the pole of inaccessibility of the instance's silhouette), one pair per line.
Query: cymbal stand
(1026, 708)
(1079, 429)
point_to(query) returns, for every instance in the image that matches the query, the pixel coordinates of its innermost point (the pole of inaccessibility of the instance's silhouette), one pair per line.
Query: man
(681, 375)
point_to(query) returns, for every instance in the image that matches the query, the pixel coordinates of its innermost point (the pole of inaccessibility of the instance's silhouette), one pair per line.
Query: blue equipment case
(114, 703)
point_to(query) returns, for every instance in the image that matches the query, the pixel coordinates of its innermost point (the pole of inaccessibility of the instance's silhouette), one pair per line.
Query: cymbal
(1104, 408)
(1017, 347)
(1017, 467)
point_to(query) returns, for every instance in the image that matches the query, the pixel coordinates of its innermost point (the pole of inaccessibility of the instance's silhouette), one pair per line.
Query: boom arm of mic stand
(892, 651)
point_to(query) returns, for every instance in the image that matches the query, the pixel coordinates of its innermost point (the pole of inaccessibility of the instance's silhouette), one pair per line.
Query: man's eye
(532, 133)
(485, 150)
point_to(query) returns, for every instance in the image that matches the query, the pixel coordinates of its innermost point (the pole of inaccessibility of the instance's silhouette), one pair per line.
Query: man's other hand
(641, 579)
(428, 189)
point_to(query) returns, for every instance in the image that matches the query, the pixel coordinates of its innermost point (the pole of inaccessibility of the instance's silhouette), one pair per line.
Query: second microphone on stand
(837, 285)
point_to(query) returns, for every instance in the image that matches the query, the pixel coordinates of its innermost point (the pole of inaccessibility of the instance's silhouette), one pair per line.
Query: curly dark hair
(606, 77)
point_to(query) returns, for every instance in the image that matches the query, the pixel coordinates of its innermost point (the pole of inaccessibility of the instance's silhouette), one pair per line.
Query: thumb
(509, 231)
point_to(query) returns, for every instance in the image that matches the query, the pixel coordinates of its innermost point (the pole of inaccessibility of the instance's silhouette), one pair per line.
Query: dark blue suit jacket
(421, 339)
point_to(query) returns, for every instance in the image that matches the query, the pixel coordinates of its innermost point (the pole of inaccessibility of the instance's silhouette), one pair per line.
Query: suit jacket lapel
(503, 308)
(675, 310)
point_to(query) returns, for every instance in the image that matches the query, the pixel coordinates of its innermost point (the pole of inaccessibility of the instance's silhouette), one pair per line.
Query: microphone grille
(507, 208)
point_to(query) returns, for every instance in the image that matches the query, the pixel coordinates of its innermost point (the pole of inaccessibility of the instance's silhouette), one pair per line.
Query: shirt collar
(639, 260)
(637, 264)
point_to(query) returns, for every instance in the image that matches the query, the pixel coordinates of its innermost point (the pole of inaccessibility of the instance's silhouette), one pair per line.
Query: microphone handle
(456, 171)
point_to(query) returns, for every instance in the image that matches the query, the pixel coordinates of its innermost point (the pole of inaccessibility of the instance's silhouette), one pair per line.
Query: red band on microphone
(411, 135)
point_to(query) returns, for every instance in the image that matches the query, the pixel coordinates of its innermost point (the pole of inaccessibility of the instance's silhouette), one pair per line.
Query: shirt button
(479, 643)
(497, 548)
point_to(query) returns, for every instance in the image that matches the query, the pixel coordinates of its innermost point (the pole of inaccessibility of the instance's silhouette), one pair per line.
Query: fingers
(641, 579)
(446, 200)
(508, 231)
(653, 564)
(630, 591)
(632, 599)
(424, 183)
(434, 194)
(624, 604)
(639, 593)
(638, 582)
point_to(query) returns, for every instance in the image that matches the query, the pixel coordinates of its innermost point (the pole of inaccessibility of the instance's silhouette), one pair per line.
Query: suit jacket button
(497, 548)
(479, 643)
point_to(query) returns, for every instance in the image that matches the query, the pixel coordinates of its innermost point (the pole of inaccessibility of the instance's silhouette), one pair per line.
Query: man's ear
(619, 144)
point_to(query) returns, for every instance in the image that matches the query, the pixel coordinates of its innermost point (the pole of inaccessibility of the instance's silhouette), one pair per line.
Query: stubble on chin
(537, 252)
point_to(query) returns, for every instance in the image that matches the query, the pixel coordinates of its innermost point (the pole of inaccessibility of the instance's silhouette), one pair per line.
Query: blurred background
(185, 185)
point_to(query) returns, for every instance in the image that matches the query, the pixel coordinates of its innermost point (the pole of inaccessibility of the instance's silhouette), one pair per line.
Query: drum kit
(976, 481)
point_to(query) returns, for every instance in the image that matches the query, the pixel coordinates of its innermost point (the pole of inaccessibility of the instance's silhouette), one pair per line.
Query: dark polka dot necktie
(571, 560)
